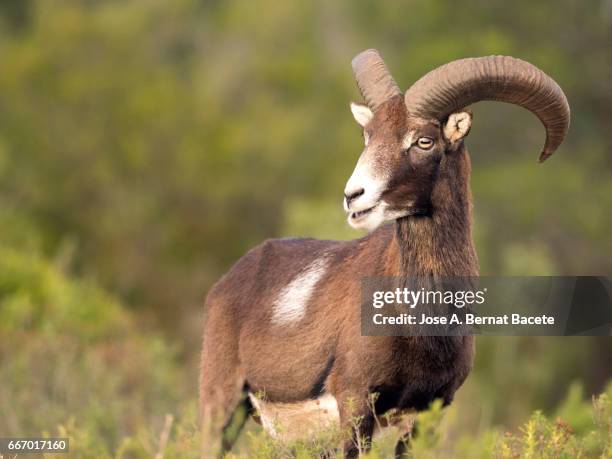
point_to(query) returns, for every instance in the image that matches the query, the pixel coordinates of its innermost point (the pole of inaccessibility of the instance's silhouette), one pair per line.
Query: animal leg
(407, 433)
(236, 422)
(357, 419)
(222, 385)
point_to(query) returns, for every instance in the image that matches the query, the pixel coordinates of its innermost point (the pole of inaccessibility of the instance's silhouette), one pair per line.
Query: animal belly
(289, 422)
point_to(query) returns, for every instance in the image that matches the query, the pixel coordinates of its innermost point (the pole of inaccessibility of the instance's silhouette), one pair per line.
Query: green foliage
(36, 298)
(543, 438)
(71, 355)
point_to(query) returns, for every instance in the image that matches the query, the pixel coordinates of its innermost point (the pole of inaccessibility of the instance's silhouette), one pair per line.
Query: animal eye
(425, 143)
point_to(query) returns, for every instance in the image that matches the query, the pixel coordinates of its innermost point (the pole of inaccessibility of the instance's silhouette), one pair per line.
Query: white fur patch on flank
(290, 305)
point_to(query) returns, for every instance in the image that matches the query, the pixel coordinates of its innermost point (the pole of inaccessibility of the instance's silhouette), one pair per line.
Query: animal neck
(440, 244)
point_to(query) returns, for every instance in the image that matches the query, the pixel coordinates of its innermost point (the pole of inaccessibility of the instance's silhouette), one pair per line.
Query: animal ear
(361, 113)
(457, 126)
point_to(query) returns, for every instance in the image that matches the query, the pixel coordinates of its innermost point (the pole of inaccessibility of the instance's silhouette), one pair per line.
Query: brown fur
(325, 350)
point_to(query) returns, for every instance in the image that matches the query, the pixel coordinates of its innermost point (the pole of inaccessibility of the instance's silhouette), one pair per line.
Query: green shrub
(35, 296)
(71, 356)
(544, 438)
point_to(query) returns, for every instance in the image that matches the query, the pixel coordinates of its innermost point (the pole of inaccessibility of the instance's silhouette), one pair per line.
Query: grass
(587, 433)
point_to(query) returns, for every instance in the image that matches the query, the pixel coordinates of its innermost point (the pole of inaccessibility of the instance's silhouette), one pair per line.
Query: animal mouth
(361, 213)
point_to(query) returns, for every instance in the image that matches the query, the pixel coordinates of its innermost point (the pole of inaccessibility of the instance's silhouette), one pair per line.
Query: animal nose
(353, 195)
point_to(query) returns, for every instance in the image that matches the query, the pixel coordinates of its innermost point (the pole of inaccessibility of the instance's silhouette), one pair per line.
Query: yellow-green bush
(70, 355)
(35, 296)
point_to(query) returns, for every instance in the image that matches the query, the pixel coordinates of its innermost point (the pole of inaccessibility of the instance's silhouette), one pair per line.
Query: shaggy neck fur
(440, 244)
(435, 246)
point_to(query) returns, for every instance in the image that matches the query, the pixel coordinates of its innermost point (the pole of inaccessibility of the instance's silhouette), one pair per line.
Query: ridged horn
(373, 78)
(456, 85)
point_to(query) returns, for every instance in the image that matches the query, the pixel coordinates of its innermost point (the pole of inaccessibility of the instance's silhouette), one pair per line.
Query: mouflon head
(409, 136)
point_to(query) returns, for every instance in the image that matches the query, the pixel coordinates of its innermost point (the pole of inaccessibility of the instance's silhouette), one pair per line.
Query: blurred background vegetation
(146, 145)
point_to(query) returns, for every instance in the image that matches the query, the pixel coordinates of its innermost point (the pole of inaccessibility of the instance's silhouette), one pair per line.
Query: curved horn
(373, 78)
(454, 86)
